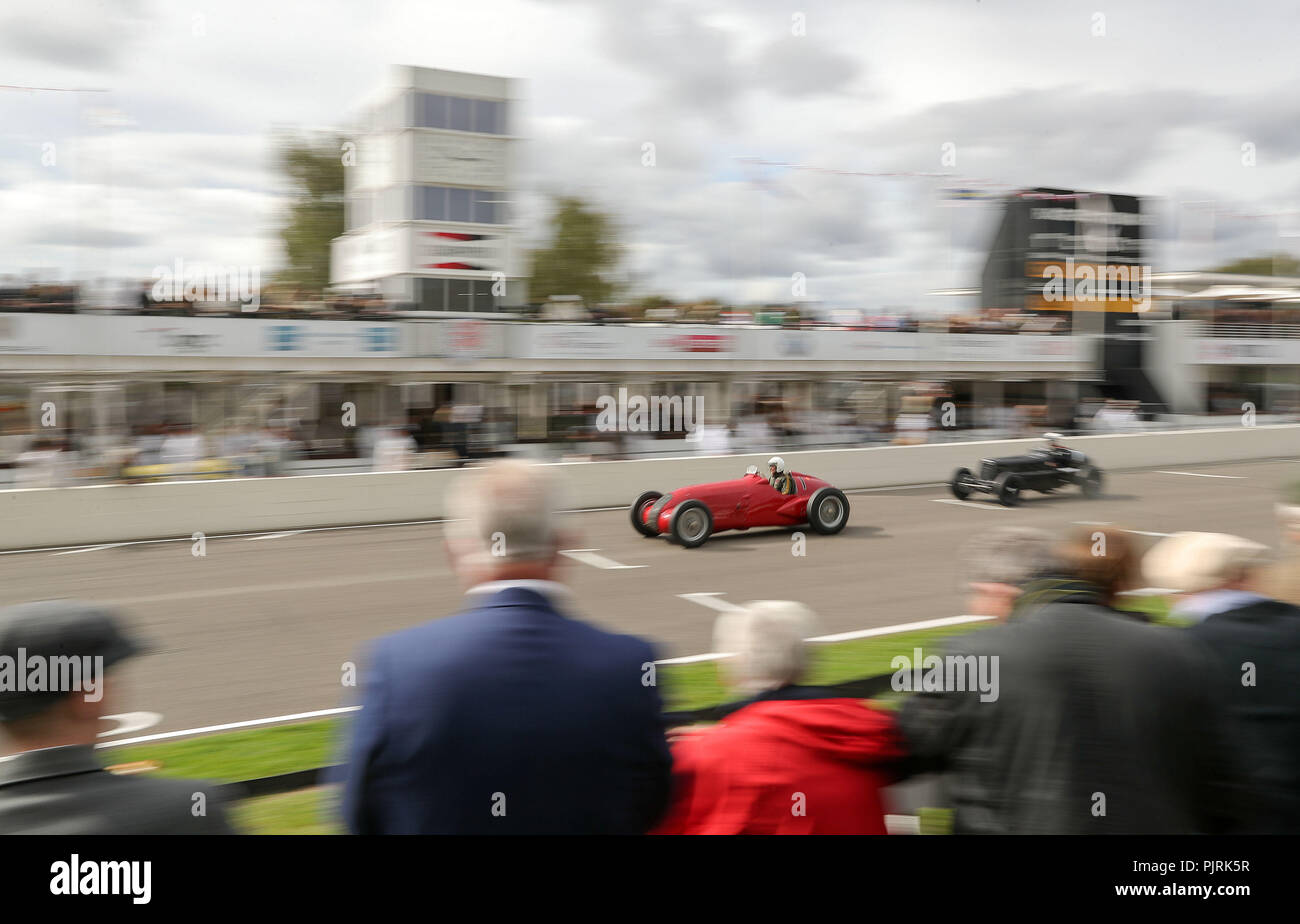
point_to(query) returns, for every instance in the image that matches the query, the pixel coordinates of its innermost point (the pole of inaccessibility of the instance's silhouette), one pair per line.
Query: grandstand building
(1081, 256)
(427, 196)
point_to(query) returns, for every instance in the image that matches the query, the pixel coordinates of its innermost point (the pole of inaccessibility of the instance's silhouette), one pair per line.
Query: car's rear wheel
(1092, 482)
(828, 511)
(692, 524)
(960, 484)
(1007, 488)
(639, 507)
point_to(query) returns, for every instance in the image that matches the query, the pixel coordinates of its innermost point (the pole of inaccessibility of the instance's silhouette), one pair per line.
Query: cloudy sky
(156, 137)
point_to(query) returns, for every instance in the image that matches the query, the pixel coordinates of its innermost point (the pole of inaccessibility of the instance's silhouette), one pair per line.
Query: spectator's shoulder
(987, 639)
(170, 806)
(1191, 647)
(614, 644)
(419, 637)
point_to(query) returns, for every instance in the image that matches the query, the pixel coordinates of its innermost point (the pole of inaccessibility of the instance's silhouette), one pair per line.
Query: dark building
(1065, 251)
(1061, 250)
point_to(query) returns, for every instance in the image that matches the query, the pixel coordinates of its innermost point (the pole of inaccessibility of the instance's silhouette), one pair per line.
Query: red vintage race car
(689, 516)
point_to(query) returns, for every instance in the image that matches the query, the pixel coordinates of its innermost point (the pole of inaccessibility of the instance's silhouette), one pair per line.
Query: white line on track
(130, 722)
(296, 532)
(319, 713)
(710, 599)
(691, 659)
(837, 637)
(93, 548)
(1200, 475)
(1133, 532)
(589, 557)
(313, 529)
(902, 627)
(967, 504)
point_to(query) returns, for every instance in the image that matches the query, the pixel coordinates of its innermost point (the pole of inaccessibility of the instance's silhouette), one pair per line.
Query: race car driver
(777, 476)
(1061, 456)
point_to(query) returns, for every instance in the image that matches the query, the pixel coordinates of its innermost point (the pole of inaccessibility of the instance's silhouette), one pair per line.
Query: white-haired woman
(793, 759)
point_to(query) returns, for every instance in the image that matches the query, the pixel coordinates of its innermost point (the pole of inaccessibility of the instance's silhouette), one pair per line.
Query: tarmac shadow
(730, 541)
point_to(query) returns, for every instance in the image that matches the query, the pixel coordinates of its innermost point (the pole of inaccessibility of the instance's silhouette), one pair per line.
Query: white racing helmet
(778, 462)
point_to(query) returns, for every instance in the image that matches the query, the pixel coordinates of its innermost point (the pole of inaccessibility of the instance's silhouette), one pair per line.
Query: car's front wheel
(1007, 488)
(639, 507)
(692, 524)
(828, 511)
(960, 484)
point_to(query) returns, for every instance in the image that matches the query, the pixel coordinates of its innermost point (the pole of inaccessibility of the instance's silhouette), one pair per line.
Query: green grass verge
(1154, 607)
(308, 811)
(228, 757)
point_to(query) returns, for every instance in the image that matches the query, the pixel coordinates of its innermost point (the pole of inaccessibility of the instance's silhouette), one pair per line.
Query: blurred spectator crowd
(454, 433)
(276, 301)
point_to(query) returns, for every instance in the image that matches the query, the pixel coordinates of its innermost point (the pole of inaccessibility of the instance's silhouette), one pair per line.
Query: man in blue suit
(510, 717)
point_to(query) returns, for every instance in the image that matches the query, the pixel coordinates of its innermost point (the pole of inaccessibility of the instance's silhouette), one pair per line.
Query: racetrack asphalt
(261, 625)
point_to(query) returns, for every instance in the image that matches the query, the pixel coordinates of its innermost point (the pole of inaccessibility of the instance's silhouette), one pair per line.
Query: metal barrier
(1272, 331)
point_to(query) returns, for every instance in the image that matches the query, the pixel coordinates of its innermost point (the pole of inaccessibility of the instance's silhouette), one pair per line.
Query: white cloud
(1160, 105)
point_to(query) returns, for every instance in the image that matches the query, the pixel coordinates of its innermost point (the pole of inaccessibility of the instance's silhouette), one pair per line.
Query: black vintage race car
(1042, 470)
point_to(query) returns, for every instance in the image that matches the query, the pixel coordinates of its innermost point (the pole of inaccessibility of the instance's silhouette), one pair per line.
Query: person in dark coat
(1256, 642)
(512, 716)
(55, 783)
(793, 759)
(1100, 723)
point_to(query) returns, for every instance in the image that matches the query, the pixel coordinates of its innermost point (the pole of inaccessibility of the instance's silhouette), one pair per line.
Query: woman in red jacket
(791, 761)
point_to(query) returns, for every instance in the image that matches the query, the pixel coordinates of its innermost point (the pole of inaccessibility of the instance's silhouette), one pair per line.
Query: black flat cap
(50, 629)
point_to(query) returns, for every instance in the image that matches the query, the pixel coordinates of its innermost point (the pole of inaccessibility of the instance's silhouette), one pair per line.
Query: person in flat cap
(56, 681)
(1256, 641)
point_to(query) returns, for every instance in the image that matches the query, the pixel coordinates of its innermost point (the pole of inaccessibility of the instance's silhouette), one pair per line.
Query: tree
(314, 167)
(1280, 264)
(582, 253)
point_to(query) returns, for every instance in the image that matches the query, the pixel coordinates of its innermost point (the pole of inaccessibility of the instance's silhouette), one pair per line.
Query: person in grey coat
(1096, 723)
(54, 656)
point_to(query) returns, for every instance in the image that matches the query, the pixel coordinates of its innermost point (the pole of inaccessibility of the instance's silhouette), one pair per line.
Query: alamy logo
(655, 414)
(103, 877)
(216, 284)
(950, 674)
(53, 674)
(1092, 282)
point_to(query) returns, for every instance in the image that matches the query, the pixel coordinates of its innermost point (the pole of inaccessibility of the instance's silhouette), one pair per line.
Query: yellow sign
(1037, 302)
